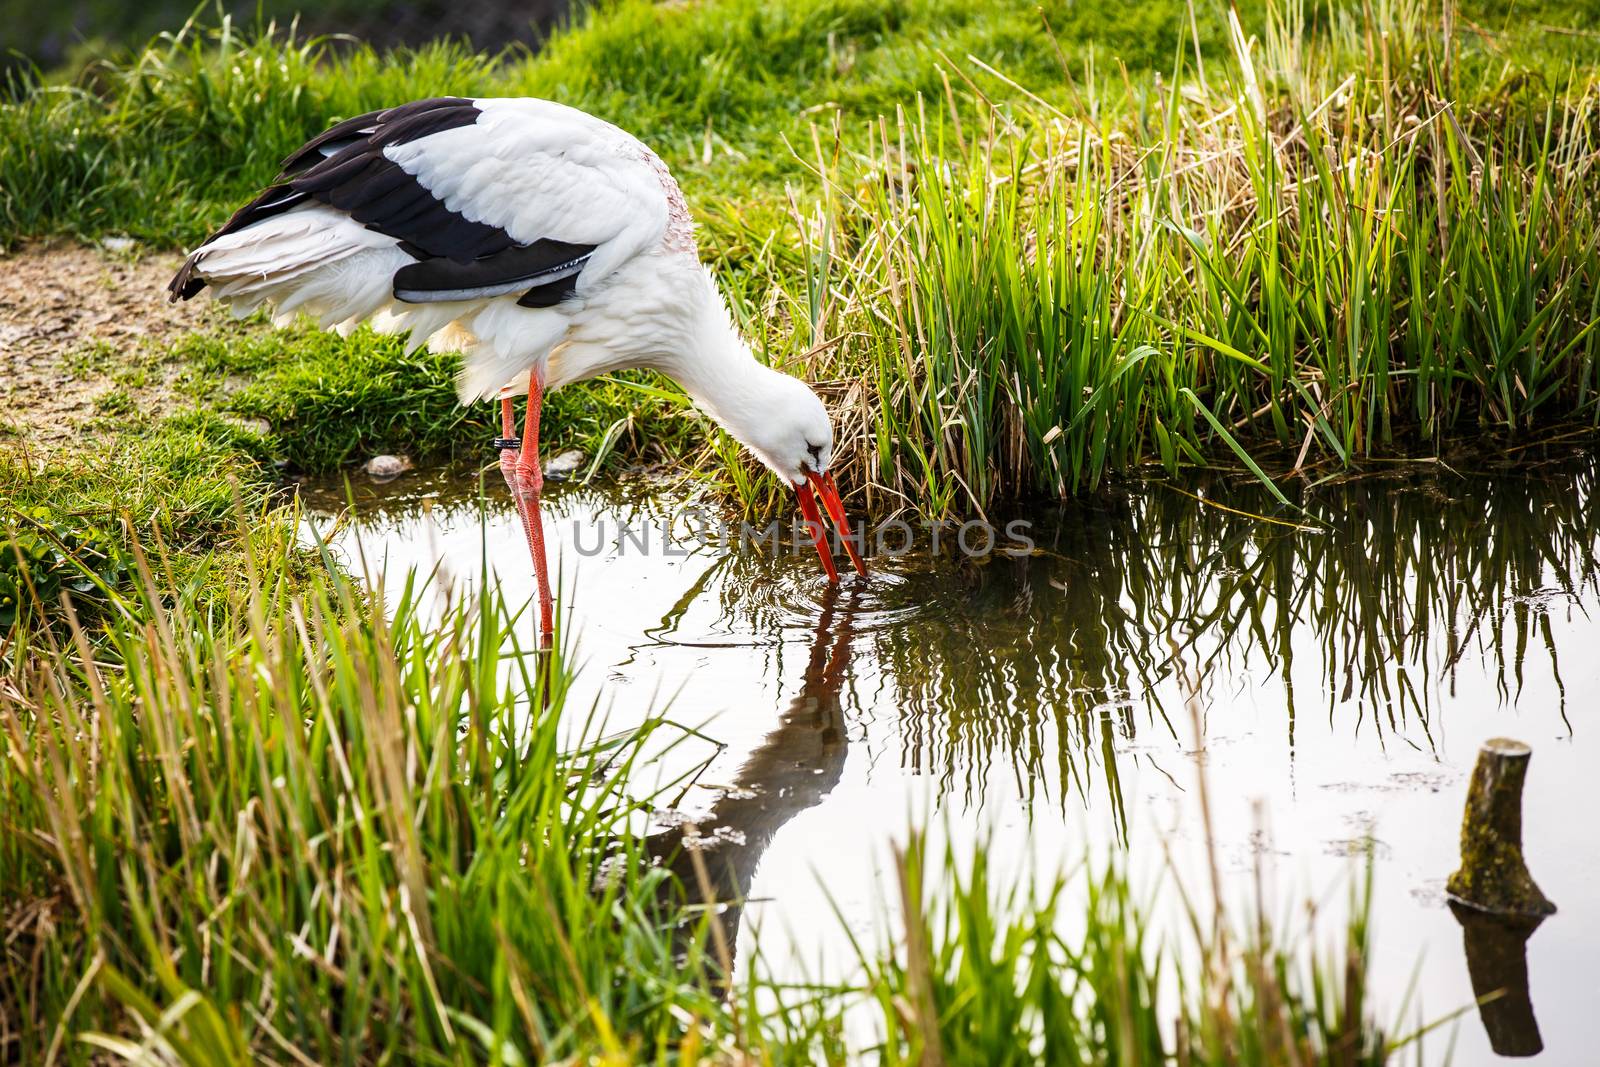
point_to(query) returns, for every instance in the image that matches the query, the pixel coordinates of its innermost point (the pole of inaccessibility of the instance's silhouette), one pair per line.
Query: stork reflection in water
(797, 764)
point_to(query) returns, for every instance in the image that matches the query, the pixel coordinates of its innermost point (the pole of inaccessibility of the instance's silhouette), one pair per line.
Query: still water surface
(1346, 675)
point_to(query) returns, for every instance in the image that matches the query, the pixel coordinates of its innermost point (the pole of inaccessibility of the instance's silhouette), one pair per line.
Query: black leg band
(501, 444)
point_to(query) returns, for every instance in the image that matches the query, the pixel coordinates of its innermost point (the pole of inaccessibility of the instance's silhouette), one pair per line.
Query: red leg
(530, 433)
(525, 479)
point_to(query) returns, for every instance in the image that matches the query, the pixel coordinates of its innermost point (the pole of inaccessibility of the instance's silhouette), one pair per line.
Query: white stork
(545, 245)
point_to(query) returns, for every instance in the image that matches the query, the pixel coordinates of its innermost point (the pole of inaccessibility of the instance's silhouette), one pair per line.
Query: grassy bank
(355, 834)
(1021, 250)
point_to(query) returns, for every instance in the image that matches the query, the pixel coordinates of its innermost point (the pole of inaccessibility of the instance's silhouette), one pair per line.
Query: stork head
(784, 425)
(787, 429)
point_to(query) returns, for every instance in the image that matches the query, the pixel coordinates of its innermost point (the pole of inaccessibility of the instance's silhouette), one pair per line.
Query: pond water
(1343, 674)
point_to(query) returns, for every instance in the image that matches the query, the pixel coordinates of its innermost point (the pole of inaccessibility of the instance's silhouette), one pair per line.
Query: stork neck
(721, 374)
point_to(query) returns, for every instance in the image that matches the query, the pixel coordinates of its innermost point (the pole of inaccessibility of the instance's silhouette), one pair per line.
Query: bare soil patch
(75, 321)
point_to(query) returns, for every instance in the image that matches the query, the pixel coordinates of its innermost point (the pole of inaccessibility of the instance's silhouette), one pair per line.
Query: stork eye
(815, 450)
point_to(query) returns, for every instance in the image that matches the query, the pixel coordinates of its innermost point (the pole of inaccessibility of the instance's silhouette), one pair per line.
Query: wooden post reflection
(1497, 962)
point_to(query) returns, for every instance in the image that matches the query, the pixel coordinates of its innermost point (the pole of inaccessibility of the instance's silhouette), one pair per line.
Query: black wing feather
(540, 266)
(345, 167)
(330, 141)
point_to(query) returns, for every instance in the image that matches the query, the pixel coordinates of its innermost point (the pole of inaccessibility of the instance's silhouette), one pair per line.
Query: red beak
(829, 492)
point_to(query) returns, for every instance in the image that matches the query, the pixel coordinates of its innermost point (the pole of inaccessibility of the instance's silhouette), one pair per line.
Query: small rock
(261, 427)
(564, 465)
(386, 467)
(118, 245)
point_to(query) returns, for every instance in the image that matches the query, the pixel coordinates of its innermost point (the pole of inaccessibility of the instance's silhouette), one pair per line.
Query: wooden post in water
(1496, 900)
(1493, 876)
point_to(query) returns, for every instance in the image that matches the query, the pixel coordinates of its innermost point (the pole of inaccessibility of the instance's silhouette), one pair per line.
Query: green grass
(1025, 259)
(182, 472)
(330, 401)
(72, 513)
(1006, 990)
(354, 833)
(165, 145)
(1289, 255)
